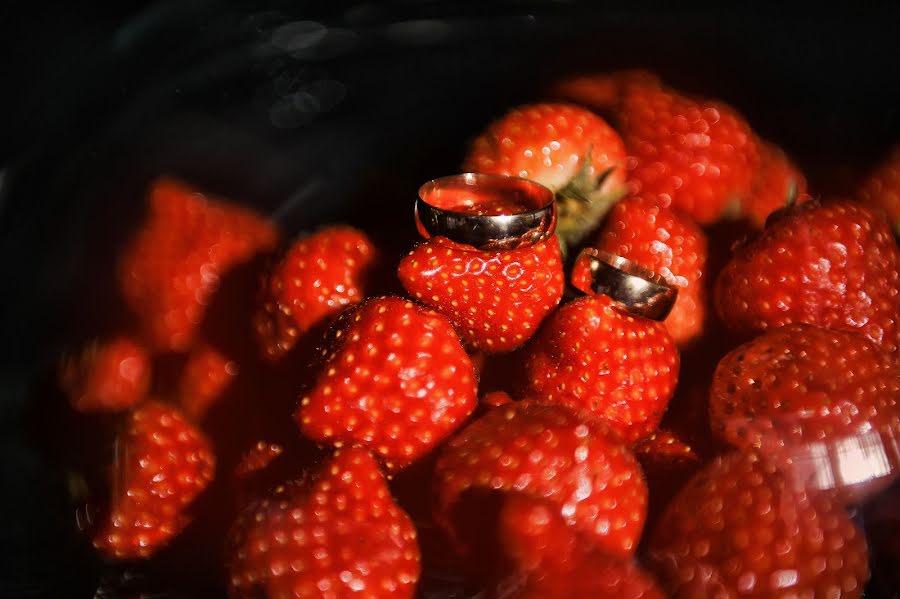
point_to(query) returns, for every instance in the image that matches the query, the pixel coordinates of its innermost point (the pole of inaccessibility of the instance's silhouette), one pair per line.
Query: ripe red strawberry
(668, 463)
(741, 528)
(162, 464)
(257, 458)
(495, 300)
(881, 190)
(173, 265)
(799, 388)
(591, 356)
(602, 92)
(106, 376)
(317, 277)
(495, 399)
(206, 375)
(669, 244)
(778, 183)
(566, 148)
(337, 534)
(834, 265)
(394, 379)
(545, 451)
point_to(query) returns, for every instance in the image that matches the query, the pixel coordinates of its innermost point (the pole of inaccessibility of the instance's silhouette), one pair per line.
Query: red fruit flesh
(206, 375)
(108, 376)
(881, 190)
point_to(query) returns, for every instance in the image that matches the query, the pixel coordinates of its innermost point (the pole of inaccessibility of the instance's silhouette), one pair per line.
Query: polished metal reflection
(488, 232)
(637, 290)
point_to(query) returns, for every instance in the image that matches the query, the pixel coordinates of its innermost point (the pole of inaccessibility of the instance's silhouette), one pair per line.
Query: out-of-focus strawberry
(106, 376)
(257, 458)
(881, 190)
(591, 356)
(740, 528)
(834, 265)
(162, 463)
(317, 277)
(778, 183)
(338, 533)
(394, 378)
(566, 148)
(206, 375)
(668, 463)
(174, 264)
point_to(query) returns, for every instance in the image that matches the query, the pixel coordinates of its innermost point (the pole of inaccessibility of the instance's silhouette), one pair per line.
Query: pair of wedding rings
(449, 207)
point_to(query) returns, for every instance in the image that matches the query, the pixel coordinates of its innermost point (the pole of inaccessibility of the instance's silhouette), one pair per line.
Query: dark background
(323, 111)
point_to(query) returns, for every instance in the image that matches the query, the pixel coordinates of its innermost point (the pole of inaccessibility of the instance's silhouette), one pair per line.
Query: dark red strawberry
(799, 389)
(834, 265)
(669, 244)
(545, 451)
(591, 356)
(602, 92)
(881, 190)
(106, 376)
(566, 148)
(317, 277)
(495, 300)
(394, 378)
(175, 262)
(162, 464)
(206, 375)
(337, 534)
(668, 463)
(778, 183)
(495, 399)
(741, 528)
(257, 458)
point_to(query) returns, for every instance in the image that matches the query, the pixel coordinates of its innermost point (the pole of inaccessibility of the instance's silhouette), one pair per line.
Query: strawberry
(107, 376)
(590, 356)
(174, 264)
(206, 375)
(834, 265)
(778, 183)
(566, 148)
(318, 276)
(162, 464)
(495, 399)
(669, 244)
(602, 91)
(740, 527)
(257, 458)
(544, 451)
(338, 533)
(881, 190)
(668, 462)
(495, 300)
(799, 388)
(394, 378)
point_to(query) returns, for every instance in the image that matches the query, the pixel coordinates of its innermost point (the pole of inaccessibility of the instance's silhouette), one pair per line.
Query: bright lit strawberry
(106, 376)
(338, 533)
(544, 451)
(174, 264)
(566, 148)
(495, 300)
(778, 183)
(669, 244)
(591, 356)
(394, 378)
(834, 265)
(317, 277)
(881, 190)
(162, 464)
(206, 375)
(741, 528)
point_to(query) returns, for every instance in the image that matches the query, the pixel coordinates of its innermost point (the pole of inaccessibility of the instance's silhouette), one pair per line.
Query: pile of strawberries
(482, 418)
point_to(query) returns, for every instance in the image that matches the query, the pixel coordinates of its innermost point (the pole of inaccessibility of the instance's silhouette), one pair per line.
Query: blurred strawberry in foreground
(566, 148)
(881, 190)
(778, 183)
(834, 265)
(314, 280)
(162, 464)
(669, 244)
(106, 376)
(206, 375)
(175, 262)
(394, 378)
(591, 356)
(338, 533)
(741, 528)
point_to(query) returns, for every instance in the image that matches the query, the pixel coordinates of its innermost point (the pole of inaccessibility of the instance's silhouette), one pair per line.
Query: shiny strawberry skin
(834, 265)
(174, 264)
(495, 300)
(107, 376)
(778, 182)
(394, 379)
(206, 376)
(163, 463)
(317, 277)
(741, 528)
(669, 244)
(574, 462)
(338, 533)
(881, 189)
(591, 356)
